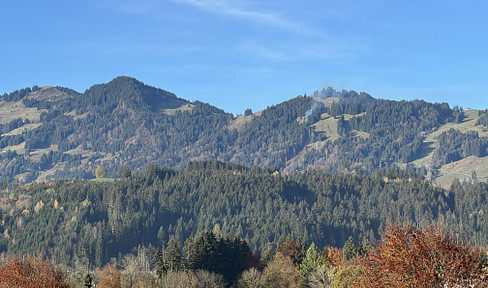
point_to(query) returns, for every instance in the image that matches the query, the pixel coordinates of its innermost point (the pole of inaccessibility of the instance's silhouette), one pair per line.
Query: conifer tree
(173, 259)
(350, 249)
(313, 259)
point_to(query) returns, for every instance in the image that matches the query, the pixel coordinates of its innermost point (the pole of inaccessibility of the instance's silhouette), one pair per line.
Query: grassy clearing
(79, 150)
(36, 154)
(20, 148)
(426, 153)
(328, 127)
(468, 124)
(13, 110)
(463, 170)
(239, 123)
(49, 93)
(364, 135)
(182, 108)
(75, 116)
(103, 180)
(349, 116)
(316, 145)
(44, 175)
(24, 128)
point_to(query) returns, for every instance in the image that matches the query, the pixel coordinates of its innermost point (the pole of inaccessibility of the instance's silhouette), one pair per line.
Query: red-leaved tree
(32, 272)
(410, 257)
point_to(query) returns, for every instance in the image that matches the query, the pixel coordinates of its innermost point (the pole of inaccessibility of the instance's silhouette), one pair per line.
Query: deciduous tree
(32, 272)
(281, 272)
(101, 172)
(109, 277)
(410, 257)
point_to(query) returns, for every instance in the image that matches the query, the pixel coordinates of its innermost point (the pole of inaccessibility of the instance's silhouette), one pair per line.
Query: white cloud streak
(227, 8)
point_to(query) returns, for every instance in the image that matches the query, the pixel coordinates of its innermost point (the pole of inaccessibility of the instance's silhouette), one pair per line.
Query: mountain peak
(330, 92)
(125, 80)
(134, 93)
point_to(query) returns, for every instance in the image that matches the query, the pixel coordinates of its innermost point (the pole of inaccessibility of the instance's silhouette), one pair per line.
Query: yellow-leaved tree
(101, 172)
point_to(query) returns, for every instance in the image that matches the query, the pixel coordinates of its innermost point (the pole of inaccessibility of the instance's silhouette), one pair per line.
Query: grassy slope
(182, 108)
(328, 126)
(463, 170)
(24, 128)
(460, 169)
(13, 110)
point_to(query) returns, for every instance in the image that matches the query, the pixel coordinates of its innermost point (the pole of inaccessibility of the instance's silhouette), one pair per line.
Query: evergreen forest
(245, 213)
(90, 222)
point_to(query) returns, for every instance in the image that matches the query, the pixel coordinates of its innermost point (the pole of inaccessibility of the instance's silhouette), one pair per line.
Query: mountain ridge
(58, 132)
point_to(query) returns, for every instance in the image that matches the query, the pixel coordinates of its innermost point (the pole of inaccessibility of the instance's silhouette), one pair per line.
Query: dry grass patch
(13, 110)
(20, 148)
(24, 128)
(239, 123)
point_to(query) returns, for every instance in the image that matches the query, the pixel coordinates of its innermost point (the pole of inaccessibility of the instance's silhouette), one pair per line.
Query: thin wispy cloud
(278, 52)
(320, 44)
(227, 8)
(314, 43)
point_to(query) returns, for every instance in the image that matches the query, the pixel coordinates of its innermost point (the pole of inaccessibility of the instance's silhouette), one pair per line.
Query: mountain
(56, 132)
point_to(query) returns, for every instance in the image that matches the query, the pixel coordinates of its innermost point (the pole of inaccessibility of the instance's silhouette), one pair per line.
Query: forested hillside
(87, 223)
(329, 170)
(58, 133)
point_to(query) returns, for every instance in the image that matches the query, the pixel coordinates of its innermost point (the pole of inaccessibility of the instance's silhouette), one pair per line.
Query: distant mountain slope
(55, 132)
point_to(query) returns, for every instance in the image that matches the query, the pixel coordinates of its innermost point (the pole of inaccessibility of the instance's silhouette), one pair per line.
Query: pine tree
(173, 259)
(159, 264)
(350, 249)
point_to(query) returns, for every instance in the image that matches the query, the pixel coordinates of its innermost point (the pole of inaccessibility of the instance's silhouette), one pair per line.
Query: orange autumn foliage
(109, 277)
(333, 256)
(33, 272)
(411, 257)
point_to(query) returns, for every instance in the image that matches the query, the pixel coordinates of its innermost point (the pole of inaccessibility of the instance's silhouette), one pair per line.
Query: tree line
(79, 222)
(404, 256)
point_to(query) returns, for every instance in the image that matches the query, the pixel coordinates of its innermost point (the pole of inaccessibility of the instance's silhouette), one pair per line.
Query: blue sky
(251, 54)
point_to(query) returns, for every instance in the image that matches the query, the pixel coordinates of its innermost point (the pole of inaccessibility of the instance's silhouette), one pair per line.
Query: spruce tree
(173, 259)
